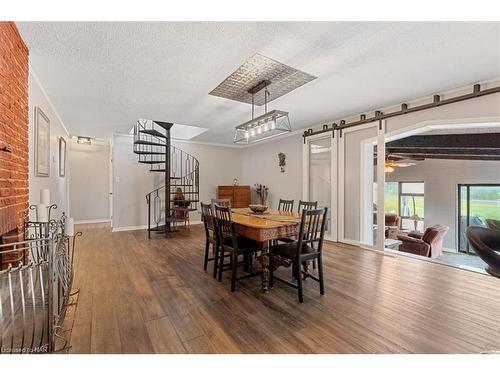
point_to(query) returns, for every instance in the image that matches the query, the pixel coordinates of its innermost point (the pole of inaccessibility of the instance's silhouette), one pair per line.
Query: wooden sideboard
(240, 195)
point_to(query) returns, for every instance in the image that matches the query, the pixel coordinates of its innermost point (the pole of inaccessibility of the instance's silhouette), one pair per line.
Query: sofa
(427, 244)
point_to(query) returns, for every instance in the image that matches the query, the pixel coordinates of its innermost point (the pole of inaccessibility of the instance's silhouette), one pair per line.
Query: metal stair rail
(152, 143)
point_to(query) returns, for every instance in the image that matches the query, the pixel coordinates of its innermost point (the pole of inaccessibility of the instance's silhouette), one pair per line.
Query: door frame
(333, 214)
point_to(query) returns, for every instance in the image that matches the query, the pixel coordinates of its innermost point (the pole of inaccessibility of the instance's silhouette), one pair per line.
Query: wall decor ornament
(62, 157)
(282, 161)
(42, 143)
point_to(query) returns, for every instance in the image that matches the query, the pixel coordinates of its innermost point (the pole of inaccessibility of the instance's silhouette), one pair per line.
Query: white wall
(441, 178)
(260, 165)
(132, 180)
(58, 185)
(89, 181)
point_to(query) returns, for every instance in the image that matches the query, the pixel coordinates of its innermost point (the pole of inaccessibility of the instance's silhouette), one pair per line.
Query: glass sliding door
(477, 203)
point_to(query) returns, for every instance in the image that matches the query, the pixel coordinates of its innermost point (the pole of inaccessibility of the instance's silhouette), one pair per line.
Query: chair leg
(320, 274)
(299, 281)
(247, 262)
(221, 263)
(271, 270)
(314, 264)
(207, 248)
(216, 259)
(233, 273)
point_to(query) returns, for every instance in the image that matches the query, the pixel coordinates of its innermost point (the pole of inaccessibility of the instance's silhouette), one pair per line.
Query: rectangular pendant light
(270, 124)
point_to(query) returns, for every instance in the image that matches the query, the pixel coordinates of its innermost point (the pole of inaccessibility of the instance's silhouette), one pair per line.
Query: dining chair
(308, 205)
(285, 205)
(226, 202)
(312, 205)
(309, 246)
(211, 237)
(234, 245)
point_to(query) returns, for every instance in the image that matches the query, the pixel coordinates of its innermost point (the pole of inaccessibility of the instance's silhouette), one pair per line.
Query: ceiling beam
(449, 141)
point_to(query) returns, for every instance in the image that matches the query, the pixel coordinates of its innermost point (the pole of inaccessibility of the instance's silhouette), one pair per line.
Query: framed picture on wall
(42, 144)
(62, 157)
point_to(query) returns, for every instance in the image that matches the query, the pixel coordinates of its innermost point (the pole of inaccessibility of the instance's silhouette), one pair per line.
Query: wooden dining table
(263, 228)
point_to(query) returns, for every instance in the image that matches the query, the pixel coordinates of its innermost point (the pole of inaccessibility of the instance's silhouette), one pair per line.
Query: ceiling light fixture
(270, 124)
(84, 140)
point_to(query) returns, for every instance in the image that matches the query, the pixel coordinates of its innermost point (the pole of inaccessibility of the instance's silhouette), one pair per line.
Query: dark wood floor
(152, 296)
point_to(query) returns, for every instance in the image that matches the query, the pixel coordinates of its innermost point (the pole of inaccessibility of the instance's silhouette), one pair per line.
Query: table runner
(267, 215)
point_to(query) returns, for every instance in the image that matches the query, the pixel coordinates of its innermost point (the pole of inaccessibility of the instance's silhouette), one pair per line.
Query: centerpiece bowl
(258, 208)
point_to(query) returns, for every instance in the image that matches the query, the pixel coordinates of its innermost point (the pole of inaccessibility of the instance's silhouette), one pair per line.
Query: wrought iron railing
(181, 178)
(36, 292)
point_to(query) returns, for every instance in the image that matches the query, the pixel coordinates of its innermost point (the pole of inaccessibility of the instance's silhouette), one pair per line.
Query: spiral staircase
(152, 143)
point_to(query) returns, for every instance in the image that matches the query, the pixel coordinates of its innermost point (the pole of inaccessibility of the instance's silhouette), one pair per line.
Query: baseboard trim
(124, 229)
(93, 221)
(142, 227)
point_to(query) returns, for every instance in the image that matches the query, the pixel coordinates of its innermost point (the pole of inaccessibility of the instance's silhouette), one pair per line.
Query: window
(406, 198)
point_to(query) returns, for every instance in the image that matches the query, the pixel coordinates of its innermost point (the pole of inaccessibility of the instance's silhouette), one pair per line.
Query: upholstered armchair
(429, 244)
(493, 224)
(392, 224)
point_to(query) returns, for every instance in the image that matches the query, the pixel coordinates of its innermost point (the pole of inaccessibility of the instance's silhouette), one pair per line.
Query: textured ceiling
(102, 77)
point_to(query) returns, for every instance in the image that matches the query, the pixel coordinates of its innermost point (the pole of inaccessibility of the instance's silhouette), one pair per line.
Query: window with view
(406, 199)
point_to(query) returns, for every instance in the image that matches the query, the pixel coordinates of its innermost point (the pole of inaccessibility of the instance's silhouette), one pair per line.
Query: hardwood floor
(152, 296)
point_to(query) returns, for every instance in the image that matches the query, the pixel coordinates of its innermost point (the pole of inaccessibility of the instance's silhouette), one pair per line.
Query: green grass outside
(488, 209)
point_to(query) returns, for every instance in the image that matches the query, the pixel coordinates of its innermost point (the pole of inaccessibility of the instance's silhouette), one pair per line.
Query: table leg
(264, 262)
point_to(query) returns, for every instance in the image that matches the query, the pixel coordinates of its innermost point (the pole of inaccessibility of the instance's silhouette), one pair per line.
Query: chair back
(493, 224)
(312, 229)
(305, 205)
(225, 224)
(226, 202)
(486, 244)
(208, 218)
(285, 205)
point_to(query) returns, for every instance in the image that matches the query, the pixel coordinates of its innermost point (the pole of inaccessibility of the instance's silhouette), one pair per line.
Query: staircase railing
(152, 144)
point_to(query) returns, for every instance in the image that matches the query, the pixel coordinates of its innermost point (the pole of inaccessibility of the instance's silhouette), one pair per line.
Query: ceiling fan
(396, 161)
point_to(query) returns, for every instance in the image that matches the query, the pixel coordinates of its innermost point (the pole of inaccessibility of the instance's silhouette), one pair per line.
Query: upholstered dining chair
(307, 205)
(309, 246)
(486, 244)
(234, 245)
(285, 205)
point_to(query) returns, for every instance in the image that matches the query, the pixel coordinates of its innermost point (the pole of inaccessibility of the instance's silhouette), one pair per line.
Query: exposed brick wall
(13, 134)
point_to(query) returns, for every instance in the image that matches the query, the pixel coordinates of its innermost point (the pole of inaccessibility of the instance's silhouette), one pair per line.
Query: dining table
(264, 228)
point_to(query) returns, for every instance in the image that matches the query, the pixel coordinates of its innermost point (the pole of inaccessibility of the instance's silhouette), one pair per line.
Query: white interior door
(359, 196)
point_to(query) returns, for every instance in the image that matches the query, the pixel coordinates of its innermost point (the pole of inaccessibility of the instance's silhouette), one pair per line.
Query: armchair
(428, 244)
(392, 225)
(493, 224)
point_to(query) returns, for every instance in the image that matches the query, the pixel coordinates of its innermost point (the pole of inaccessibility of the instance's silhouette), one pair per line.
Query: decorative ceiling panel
(256, 69)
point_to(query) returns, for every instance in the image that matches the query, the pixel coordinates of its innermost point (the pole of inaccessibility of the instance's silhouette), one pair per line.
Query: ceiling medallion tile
(257, 68)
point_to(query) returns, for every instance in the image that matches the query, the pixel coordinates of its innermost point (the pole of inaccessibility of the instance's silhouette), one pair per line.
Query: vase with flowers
(262, 191)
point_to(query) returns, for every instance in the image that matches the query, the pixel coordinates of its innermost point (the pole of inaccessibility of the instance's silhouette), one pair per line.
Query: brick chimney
(13, 137)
